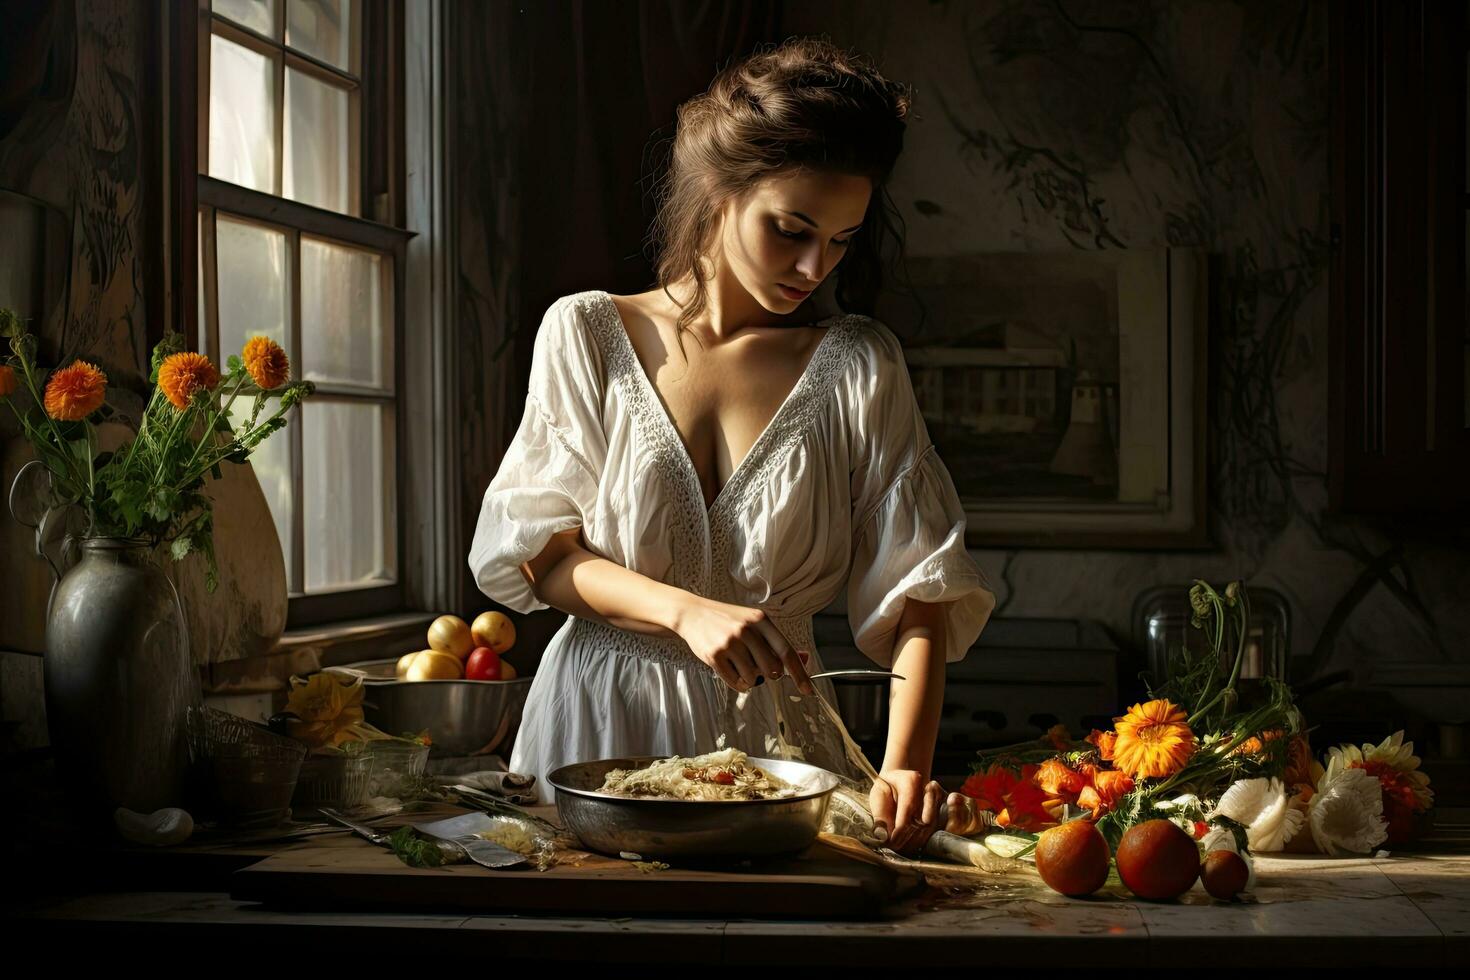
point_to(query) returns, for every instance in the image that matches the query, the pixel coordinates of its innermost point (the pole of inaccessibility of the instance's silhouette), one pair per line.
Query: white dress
(842, 488)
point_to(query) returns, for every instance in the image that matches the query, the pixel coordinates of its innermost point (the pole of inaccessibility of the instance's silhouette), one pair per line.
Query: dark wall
(1151, 124)
(1044, 126)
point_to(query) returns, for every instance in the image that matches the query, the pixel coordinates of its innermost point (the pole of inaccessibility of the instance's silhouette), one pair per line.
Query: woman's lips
(790, 293)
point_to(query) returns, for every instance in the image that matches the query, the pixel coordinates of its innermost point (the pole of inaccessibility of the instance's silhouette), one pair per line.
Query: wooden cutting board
(348, 872)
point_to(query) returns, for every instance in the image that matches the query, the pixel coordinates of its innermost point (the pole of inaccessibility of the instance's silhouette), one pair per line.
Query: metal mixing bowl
(657, 828)
(463, 717)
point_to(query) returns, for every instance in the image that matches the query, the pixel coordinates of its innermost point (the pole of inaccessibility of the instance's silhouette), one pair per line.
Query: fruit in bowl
(458, 651)
(451, 635)
(429, 665)
(493, 630)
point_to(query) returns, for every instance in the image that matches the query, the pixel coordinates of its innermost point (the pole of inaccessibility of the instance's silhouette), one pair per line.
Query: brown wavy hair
(804, 105)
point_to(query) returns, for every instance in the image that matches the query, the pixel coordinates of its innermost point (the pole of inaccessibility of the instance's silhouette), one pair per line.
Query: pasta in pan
(716, 776)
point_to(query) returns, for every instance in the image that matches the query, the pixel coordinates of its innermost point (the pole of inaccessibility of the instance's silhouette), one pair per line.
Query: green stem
(209, 424)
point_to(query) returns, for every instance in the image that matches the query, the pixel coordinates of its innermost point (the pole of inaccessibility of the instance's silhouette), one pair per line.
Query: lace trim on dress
(690, 559)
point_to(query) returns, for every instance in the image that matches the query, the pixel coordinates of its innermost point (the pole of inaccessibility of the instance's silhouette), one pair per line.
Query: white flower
(1346, 814)
(1392, 752)
(1260, 805)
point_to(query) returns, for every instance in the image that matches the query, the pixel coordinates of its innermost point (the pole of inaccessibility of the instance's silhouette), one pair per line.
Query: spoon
(857, 673)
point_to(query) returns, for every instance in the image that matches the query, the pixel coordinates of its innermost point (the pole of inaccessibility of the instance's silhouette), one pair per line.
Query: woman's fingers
(744, 665)
(790, 661)
(761, 641)
(882, 803)
(917, 813)
(725, 669)
(931, 803)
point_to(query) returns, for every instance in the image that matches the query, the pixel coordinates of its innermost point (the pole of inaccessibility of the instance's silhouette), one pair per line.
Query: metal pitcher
(117, 671)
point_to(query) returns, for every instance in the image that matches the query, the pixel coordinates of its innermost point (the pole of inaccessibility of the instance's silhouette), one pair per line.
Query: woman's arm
(905, 802)
(915, 703)
(573, 579)
(740, 644)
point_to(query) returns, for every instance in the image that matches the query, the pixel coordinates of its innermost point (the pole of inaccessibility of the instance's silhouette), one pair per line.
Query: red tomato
(483, 665)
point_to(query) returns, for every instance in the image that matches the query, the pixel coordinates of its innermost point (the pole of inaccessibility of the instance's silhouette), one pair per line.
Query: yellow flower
(181, 375)
(8, 383)
(329, 709)
(1153, 740)
(266, 362)
(75, 391)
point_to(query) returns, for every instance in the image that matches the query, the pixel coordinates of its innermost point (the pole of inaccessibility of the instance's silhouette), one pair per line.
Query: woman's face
(788, 234)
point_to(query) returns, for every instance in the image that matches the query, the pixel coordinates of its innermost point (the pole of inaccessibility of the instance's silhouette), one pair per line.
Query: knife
(452, 852)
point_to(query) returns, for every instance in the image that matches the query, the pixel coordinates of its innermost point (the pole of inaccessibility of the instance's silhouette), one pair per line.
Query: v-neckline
(651, 391)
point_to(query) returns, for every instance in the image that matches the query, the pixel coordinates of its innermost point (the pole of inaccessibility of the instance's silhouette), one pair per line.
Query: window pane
(322, 29)
(252, 285)
(350, 512)
(346, 309)
(272, 463)
(317, 151)
(258, 15)
(242, 116)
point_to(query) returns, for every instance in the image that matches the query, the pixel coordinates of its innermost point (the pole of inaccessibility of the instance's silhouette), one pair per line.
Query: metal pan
(656, 828)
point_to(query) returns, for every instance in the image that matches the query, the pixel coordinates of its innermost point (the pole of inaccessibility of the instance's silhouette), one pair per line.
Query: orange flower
(1256, 745)
(1298, 766)
(266, 362)
(1058, 738)
(1106, 788)
(1013, 798)
(8, 383)
(181, 375)
(1105, 742)
(1054, 777)
(1153, 740)
(75, 391)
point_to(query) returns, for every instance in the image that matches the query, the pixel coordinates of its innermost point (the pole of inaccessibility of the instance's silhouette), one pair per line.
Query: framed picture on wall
(1065, 392)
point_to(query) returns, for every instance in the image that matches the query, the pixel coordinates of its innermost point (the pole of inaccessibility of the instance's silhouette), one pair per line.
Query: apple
(494, 630)
(483, 665)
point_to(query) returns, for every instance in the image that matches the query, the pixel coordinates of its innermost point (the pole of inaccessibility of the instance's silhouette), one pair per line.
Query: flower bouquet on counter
(1205, 770)
(152, 487)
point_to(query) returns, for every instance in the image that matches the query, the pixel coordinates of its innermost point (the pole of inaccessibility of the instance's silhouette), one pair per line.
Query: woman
(692, 501)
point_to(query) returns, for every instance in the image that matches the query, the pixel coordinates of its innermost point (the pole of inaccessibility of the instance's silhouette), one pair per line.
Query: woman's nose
(815, 263)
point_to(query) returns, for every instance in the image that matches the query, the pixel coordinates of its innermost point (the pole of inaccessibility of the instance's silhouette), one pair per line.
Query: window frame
(376, 163)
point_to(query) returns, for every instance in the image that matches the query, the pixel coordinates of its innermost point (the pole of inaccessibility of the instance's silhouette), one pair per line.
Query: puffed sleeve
(908, 521)
(548, 477)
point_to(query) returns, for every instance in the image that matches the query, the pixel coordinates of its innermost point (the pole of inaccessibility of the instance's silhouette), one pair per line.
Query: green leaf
(234, 365)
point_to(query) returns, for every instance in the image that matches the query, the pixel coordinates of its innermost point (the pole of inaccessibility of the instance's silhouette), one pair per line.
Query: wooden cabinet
(1398, 346)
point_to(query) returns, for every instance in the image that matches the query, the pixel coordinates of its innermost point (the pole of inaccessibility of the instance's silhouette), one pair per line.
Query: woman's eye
(797, 234)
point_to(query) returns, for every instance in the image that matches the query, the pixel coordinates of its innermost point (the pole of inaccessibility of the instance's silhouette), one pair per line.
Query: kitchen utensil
(451, 852)
(858, 673)
(464, 830)
(463, 717)
(657, 828)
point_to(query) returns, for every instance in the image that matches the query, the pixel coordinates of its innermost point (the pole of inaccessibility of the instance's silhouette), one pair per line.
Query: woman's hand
(911, 808)
(740, 644)
(905, 804)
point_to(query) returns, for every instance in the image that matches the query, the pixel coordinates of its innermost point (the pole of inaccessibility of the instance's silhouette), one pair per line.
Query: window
(296, 145)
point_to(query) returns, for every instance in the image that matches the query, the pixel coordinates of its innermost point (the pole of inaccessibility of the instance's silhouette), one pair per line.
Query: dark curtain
(602, 89)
